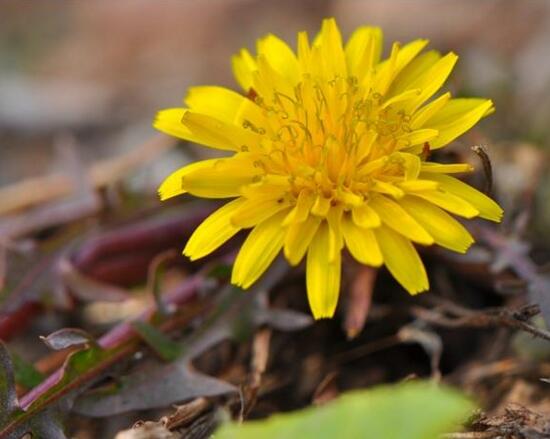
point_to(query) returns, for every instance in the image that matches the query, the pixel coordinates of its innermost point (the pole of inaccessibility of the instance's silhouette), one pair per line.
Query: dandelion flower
(326, 151)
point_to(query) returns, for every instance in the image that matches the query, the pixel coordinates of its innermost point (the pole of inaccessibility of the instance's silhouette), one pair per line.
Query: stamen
(319, 147)
(249, 125)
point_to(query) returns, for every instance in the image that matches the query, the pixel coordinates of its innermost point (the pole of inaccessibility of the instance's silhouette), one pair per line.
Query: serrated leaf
(405, 411)
(167, 349)
(165, 384)
(156, 385)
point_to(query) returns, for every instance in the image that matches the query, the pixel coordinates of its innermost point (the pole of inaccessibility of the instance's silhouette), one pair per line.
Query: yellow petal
(412, 165)
(363, 50)
(432, 80)
(387, 188)
(322, 275)
(365, 216)
(428, 111)
(269, 83)
(399, 59)
(213, 231)
(457, 107)
(221, 178)
(270, 187)
(170, 121)
(298, 237)
(304, 52)
(446, 231)
(321, 205)
(334, 220)
(418, 137)
(487, 208)
(173, 184)
(448, 201)
(393, 215)
(413, 71)
(361, 243)
(457, 117)
(256, 210)
(418, 185)
(372, 166)
(301, 210)
(281, 57)
(243, 67)
(402, 260)
(258, 251)
(444, 168)
(386, 71)
(224, 104)
(333, 61)
(405, 96)
(216, 133)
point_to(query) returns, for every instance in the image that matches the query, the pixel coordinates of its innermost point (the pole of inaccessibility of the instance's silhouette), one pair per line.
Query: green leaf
(78, 365)
(220, 271)
(25, 373)
(415, 410)
(167, 349)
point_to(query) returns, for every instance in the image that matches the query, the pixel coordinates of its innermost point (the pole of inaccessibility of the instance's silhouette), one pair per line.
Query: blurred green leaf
(25, 373)
(166, 349)
(220, 271)
(416, 410)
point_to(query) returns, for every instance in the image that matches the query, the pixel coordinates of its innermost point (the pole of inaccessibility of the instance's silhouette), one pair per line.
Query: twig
(260, 355)
(429, 341)
(185, 413)
(481, 152)
(453, 316)
(365, 349)
(327, 389)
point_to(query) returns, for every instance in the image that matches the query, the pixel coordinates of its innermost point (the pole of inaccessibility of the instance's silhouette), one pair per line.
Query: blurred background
(98, 71)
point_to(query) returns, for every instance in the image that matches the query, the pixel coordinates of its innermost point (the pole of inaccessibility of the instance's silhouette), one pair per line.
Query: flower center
(335, 139)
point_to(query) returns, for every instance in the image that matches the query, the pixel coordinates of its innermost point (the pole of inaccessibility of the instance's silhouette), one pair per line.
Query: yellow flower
(327, 150)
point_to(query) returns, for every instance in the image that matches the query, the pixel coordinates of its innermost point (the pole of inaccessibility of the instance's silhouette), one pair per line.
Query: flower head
(326, 151)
